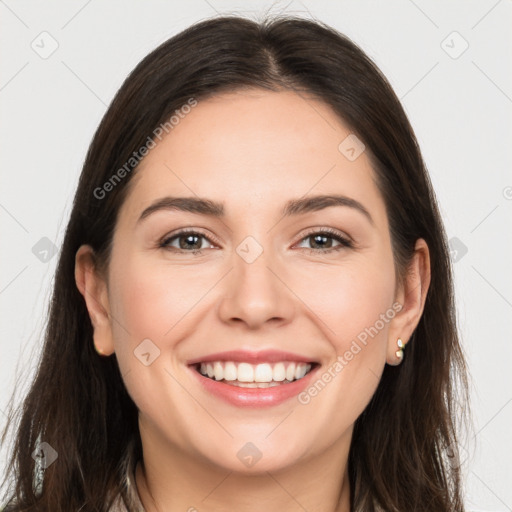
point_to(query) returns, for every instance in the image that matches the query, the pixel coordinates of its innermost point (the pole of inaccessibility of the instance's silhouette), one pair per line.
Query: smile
(247, 375)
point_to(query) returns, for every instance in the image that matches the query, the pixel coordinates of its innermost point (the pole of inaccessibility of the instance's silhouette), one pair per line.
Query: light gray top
(134, 503)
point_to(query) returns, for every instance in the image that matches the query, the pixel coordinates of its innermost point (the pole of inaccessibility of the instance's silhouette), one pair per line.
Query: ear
(94, 290)
(411, 295)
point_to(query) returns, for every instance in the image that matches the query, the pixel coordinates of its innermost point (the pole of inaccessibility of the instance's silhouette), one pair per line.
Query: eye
(324, 241)
(188, 241)
(192, 241)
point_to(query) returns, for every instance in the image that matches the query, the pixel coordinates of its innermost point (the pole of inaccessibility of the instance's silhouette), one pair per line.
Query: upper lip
(262, 356)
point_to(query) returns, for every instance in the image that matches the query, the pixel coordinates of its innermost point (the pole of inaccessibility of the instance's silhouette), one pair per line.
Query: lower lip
(254, 397)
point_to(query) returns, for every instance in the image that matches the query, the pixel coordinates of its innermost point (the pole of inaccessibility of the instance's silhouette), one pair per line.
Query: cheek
(145, 305)
(149, 300)
(152, 300)
(364, 313)
(354, 303)
(358, 313)
(350, 300)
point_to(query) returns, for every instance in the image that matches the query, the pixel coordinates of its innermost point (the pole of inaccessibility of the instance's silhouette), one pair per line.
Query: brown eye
(324, 241)
(189, 241)
(321, 241)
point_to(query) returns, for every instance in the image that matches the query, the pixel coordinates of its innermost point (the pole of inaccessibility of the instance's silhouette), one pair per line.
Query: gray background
(459, 102)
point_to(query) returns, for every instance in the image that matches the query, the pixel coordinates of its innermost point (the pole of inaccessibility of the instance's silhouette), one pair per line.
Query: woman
(253, 306)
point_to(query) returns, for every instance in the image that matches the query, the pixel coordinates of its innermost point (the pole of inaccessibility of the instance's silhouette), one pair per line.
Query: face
(263, 282)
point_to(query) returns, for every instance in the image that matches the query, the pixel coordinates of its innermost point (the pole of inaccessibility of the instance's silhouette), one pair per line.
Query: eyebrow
(293, 207)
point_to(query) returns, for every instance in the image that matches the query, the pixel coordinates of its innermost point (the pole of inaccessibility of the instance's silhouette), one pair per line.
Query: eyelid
(181, 231)
(325, 230)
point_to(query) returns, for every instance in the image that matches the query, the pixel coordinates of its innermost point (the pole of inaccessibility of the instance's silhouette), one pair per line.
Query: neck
(170, 480)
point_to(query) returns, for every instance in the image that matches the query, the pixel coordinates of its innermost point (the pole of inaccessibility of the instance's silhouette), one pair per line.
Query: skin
(253, 151)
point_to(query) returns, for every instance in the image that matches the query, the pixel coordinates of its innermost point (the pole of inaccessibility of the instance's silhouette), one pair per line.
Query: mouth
(248, 375)
(244, 378)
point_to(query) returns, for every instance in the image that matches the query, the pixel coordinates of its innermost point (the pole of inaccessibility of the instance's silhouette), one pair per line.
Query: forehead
(254, 149)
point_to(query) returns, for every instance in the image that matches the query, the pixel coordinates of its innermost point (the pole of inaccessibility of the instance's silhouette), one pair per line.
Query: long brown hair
(78, 403)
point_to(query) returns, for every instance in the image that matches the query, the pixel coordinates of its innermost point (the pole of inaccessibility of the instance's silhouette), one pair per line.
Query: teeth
(230, 372)
(245, 372)
(263, 373)
(218, 371)
(254, 375)
(255, 384)
(280, 372)
(300, 371)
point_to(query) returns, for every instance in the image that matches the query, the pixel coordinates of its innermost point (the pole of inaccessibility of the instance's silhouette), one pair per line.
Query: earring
(400, 352)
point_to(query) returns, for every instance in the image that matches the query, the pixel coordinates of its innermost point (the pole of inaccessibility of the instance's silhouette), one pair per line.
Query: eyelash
(345, 243)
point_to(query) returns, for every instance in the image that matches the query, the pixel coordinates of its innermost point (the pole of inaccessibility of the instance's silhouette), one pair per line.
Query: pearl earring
(400, 352)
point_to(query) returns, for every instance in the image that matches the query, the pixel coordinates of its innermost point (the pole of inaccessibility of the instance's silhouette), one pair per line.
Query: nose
(255, 294)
